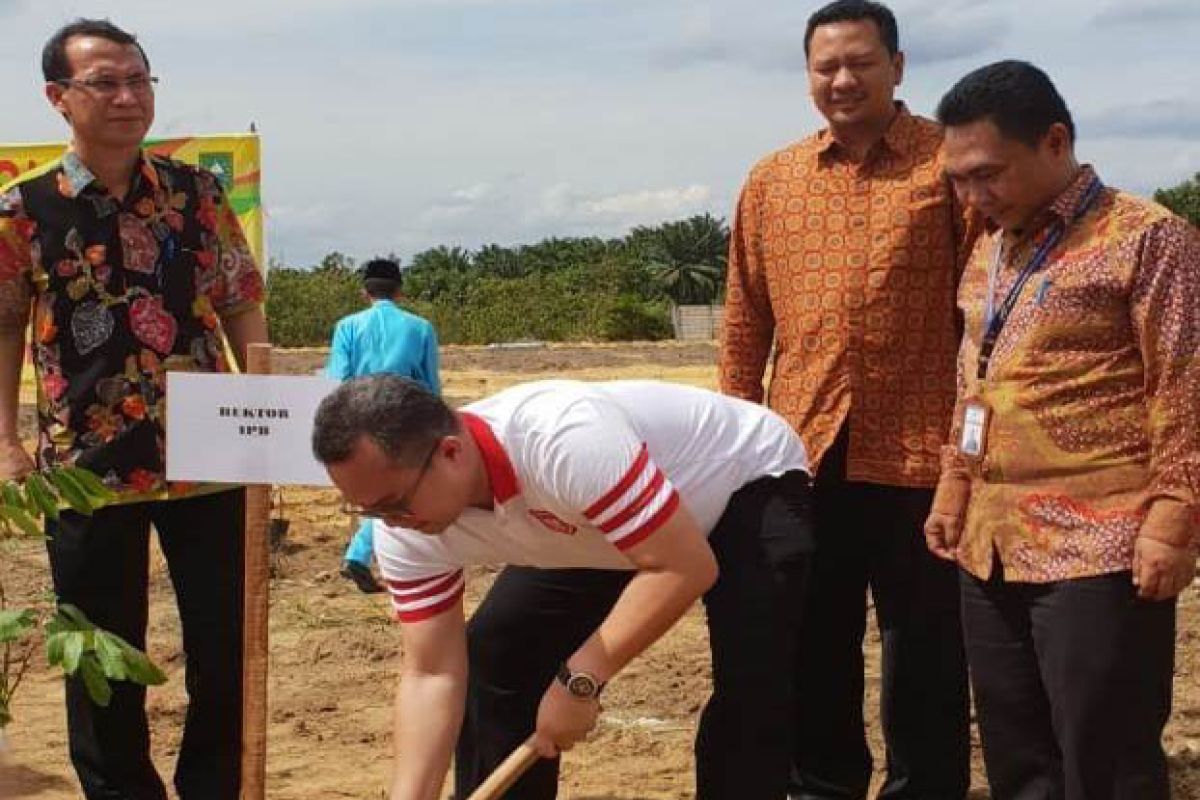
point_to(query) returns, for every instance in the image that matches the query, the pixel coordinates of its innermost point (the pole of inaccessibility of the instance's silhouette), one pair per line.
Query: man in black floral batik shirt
(126, 266)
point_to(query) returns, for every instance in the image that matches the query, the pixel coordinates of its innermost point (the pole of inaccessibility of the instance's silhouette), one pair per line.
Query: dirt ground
(334, 651)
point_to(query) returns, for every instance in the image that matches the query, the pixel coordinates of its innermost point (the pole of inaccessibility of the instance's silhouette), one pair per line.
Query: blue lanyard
(995, 318)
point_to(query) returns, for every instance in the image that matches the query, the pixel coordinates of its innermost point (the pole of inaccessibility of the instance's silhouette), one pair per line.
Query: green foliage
(687, 257)
(16, 627)
(73, 644)
(559, 306)
(558, 289)
(1183, 199)
(78, 647)
(42, 494)
(632, 319)
(304, 305)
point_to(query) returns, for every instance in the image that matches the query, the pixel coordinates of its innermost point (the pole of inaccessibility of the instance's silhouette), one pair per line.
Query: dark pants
(870, 535)
(1072, 687)
(100, 564)
(532, 620)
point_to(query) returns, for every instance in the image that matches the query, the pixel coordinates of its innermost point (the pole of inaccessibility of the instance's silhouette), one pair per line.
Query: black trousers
(100, 564)
(1072, 687)
(533, 619)
(870, 535)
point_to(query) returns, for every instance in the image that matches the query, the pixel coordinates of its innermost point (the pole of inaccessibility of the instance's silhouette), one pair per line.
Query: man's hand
(14, 460)
(563, 719)
(1161, 570)
(942, 532)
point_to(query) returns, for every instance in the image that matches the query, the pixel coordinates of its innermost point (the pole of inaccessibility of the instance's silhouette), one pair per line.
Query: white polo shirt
(583, 471)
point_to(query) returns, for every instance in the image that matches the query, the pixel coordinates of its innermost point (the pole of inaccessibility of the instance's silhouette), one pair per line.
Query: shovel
(507, 773)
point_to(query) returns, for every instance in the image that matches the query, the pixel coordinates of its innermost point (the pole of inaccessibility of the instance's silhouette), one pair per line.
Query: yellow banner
(233, 158)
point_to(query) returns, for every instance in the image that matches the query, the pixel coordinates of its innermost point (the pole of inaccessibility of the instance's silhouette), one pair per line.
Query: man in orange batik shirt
(1069, 494)
(845, 257)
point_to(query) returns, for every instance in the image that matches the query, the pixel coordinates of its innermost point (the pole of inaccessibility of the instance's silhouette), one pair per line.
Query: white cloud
(396, 125)
(1147, 12)
(931, 31)
(527, 212)
(1167, 118)
(651, 203)
(473, 193)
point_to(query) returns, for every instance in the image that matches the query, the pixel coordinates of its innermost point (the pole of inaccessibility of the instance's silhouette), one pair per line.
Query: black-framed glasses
(399, 507)
(111, 87)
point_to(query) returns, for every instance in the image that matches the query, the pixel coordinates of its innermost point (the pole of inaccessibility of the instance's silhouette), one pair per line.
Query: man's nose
(125, 94)
(844, 78)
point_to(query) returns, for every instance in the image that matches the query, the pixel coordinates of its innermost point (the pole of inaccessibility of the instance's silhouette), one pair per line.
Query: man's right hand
(14, 460)
(942, 532)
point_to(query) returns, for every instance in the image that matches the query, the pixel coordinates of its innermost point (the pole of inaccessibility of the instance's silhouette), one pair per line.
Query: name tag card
(244, 428)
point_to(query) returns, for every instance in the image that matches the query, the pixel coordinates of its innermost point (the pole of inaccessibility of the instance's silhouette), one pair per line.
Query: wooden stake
(507, 773)
(255, 642)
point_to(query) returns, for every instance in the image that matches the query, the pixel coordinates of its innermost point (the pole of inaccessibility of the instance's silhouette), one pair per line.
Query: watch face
(582, 685)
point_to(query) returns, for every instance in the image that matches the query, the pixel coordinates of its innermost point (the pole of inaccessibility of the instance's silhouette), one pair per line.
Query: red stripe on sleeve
(408, 596)
(636, 505)
(622, 486)
(406, 586)
(654, 523)
(421, 614)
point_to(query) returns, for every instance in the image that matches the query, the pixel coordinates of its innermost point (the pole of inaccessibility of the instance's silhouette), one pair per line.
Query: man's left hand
(1160, 570)
(563, 719)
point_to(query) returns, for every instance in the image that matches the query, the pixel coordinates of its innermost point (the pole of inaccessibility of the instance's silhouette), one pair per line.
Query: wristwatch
(583, 685)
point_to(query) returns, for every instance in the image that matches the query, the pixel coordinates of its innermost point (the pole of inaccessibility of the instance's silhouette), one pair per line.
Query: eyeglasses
(111, 87)
(400, 507)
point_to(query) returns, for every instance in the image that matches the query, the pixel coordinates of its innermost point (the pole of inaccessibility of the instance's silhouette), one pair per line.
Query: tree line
(559, 289)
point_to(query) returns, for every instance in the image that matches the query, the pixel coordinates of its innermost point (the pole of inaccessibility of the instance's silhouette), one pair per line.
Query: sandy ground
(334, 651)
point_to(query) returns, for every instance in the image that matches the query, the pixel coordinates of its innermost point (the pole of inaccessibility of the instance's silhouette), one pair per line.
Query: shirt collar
(500, 472)
(79, 177)
(1066, 204)
(898, 138)
(1062, 207)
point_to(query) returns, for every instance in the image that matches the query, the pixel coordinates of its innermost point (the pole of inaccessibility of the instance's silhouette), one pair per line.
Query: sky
(397, 125)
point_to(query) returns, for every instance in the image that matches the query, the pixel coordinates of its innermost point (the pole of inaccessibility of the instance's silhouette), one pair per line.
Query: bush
(304, 305)
(631, 319)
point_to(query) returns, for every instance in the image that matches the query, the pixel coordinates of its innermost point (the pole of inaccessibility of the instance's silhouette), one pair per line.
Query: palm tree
(687, 257)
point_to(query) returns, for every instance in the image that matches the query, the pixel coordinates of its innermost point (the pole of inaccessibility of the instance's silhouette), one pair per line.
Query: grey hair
(400, 415)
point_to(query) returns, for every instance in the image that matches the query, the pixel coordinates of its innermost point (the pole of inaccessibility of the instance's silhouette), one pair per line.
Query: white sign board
(244, 428)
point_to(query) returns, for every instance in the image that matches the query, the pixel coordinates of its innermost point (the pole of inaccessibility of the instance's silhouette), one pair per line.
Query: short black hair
(1015, 96)
(56, 67)
(400, 415)
(381, 278)
(853, 11)
(381, 288)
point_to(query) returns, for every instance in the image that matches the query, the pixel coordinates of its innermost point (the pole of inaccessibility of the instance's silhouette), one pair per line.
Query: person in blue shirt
(382, 338)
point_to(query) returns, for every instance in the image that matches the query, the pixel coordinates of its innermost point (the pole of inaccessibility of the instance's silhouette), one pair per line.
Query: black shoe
(362, 577)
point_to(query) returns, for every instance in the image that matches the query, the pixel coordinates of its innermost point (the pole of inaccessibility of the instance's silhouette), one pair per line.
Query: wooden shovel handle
(507, 773)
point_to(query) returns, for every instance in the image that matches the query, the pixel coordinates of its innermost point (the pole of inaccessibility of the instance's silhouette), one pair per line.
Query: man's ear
(54, 94)
(1058, 140)
(451, 447)
(898, 66)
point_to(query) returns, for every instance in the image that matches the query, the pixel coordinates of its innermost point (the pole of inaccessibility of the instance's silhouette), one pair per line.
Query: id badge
(973, 441)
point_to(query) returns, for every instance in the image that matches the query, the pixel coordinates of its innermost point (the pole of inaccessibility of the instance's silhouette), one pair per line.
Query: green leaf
(54, 647)
(93, 679)
(92, 486)
(40, 495)
(22, 519)
(11, 495)
(72, 652)
(74, 618)
(111, 656)
(70, 490)
(15, 624)
(139, 666)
